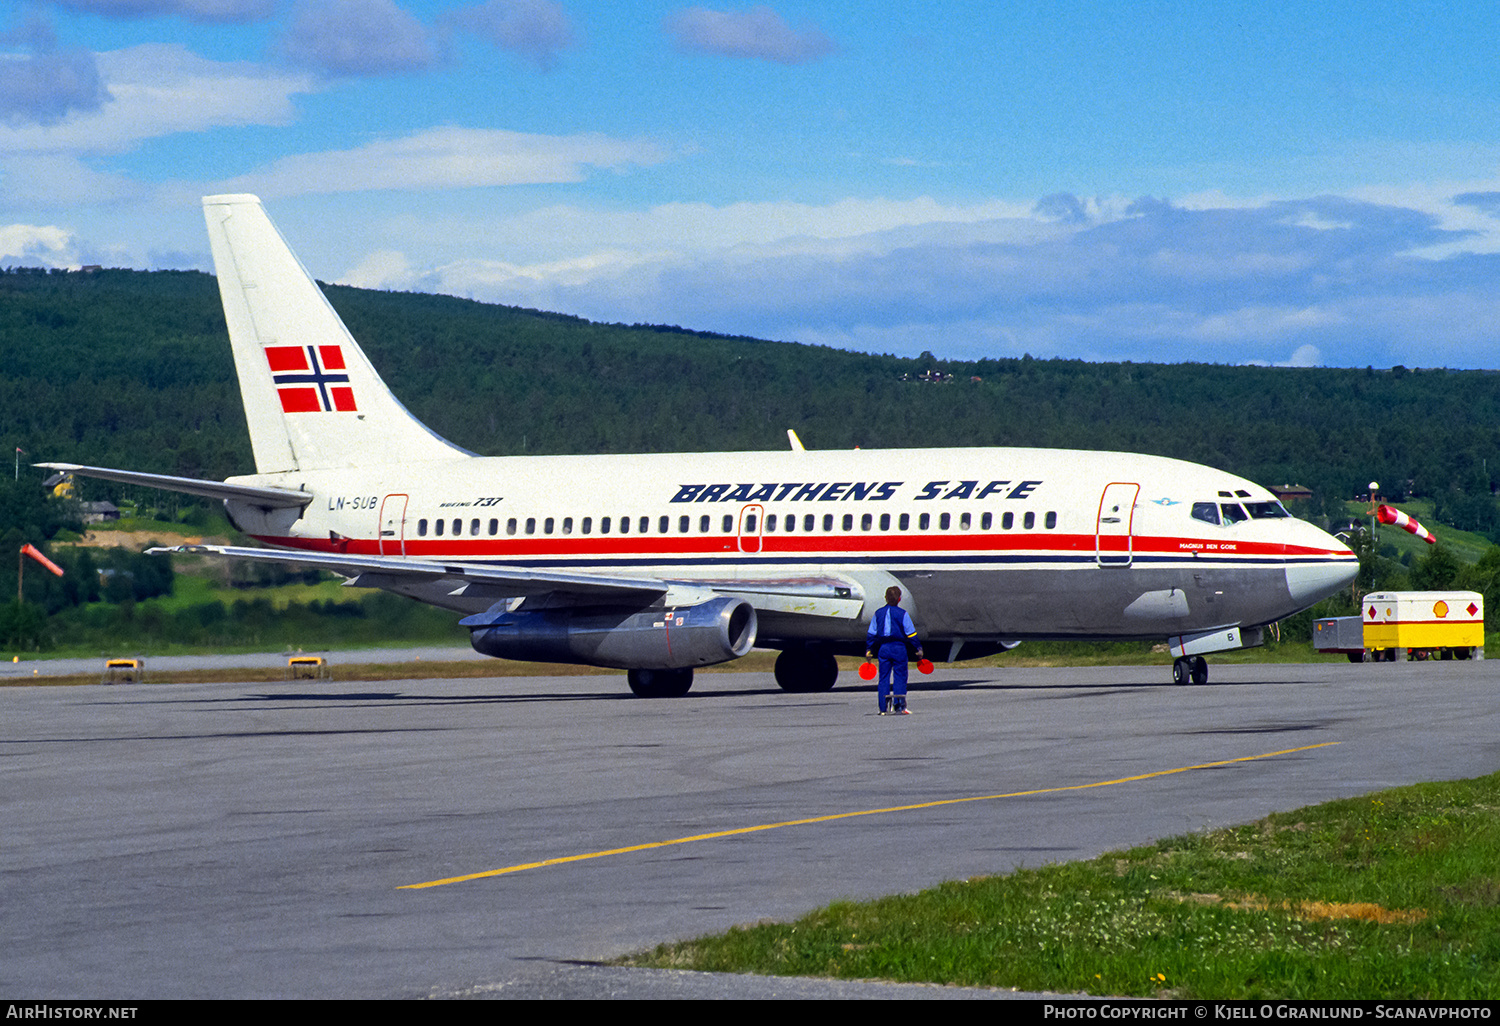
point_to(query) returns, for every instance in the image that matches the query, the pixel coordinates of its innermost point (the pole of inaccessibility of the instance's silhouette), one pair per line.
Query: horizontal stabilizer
(268, 498)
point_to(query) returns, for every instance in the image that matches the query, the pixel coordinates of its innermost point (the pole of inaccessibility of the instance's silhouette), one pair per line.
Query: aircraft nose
(1308, 582)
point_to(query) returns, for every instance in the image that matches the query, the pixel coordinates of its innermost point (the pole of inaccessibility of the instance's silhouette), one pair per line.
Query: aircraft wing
(270, 498)
(813, 596)
(501, 581)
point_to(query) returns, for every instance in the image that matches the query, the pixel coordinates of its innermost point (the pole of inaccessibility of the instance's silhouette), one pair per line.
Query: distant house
(1291, 492)
(98, 512)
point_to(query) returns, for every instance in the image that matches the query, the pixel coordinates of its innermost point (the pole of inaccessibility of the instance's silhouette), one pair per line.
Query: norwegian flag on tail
(311, 379)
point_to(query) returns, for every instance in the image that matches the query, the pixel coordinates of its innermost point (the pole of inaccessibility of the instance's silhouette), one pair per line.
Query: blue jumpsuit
(891, 629)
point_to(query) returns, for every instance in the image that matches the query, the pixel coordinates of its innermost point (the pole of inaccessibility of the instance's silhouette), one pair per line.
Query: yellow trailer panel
(1404, 620)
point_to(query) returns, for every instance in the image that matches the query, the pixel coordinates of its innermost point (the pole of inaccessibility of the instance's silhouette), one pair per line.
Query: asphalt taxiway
(262, 840)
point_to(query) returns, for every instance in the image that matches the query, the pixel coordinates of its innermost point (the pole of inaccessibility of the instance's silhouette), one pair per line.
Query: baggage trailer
(1400, 625)
(1344, 634)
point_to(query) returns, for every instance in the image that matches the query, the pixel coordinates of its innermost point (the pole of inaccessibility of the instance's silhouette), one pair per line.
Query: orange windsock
(1387, 515)
(31, 550)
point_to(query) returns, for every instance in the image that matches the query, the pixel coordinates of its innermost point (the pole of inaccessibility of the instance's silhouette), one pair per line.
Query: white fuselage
(999, 544)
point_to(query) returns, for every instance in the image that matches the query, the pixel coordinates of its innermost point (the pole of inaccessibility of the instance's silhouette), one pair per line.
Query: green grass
(1394, 895)
(190, 590)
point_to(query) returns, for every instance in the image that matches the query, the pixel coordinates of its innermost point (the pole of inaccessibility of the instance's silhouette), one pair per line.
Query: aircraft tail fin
(312, 399)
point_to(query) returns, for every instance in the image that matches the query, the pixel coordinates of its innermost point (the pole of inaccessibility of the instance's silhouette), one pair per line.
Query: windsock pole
(1386, 515)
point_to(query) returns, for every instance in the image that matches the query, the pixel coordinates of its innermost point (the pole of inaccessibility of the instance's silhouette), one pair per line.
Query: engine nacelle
(661, 639)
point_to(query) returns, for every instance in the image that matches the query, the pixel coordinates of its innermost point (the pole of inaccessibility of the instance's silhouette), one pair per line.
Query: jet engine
(628, 639)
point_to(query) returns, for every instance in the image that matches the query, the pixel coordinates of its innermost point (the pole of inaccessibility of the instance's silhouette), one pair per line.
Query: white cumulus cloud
(533, 29)
(213, 11)
(30, 245)
(758, 33)
(358, 37)
(447, 158)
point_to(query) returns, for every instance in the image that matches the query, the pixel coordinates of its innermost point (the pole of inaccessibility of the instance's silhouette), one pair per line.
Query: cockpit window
(1232, 512)
(1266, 510)
(1207, 512)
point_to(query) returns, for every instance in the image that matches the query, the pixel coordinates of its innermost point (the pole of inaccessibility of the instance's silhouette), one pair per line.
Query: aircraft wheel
(1199, 670)
(1182, 671)
(802, 671)
(660, 683)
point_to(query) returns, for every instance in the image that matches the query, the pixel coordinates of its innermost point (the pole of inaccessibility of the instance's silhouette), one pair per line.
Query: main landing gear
(660, 683)
(805, 670)
(1190, 670)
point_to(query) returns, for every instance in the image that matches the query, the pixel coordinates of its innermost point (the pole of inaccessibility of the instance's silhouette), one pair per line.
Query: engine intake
(660, 639)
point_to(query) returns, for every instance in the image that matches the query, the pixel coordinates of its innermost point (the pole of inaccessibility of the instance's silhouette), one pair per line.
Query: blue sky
(1317, 184)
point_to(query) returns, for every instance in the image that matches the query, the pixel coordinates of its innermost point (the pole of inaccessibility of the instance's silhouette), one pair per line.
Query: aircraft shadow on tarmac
(708, 693)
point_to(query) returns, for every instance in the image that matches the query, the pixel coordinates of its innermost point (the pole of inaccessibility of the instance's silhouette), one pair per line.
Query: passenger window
(771, 522)
(510, 526)
(1007, 520)
(1208, 512)
(924, 521)
(458, 527)
(548, 524)
(664, 525)
(791, 522)
(828, 521)
(422, 528)
(588, 525)
(905, 522)
(473, 526)
(986, 521)
(944, 521)
(624, 525)
(531, 525)
(963, 521)
(885, 521)
(848, 521)
(1030, 521)
(604, 525)
(728, 524)
(494, 528)
(567, 525)
(750, 523)
(1051, 520)
(437, 528)
(683, 523)
(866, 522)
(703, 524)
(645, 525)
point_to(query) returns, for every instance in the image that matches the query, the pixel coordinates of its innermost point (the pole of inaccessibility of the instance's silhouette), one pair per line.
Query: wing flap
(386, 571)
(836, 597)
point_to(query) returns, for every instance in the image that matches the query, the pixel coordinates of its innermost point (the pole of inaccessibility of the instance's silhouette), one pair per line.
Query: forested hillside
(132, 369)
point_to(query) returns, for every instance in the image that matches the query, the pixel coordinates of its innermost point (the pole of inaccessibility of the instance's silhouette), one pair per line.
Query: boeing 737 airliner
(657, 564)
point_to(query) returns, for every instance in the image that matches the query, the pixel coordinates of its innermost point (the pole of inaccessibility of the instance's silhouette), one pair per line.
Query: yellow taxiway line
(847, 815)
